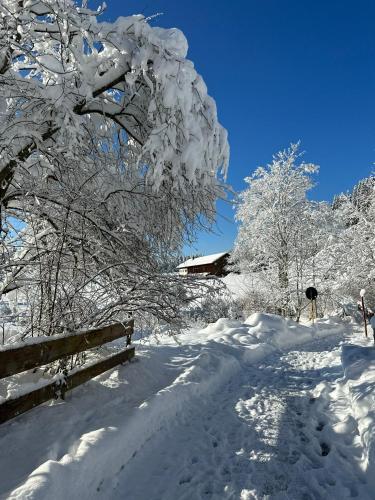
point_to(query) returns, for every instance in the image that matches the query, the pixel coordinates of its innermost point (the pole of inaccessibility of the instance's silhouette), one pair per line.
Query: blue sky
(281, 71)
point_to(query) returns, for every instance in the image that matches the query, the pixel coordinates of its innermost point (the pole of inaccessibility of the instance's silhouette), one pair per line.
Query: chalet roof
(201, 261)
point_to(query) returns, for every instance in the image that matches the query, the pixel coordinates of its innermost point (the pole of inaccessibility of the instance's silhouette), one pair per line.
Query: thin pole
(364, 315)
(315, 310)
(312, 311)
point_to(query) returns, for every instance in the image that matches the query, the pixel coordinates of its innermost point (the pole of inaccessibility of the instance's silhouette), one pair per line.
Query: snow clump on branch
(60, 67)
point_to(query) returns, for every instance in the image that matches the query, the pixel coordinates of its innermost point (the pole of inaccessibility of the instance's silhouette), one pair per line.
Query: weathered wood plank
(19, 359)
(13, 407)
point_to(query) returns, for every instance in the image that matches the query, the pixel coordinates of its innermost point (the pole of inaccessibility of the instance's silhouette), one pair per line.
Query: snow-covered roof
(201, 261)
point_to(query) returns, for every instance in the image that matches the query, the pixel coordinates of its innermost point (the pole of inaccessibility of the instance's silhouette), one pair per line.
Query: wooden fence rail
(23, 358)
(19, 359)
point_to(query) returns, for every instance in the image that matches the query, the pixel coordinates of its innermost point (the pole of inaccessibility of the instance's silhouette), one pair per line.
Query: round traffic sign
(311, 293)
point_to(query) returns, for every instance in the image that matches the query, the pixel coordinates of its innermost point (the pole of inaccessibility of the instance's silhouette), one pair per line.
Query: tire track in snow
(271, 432)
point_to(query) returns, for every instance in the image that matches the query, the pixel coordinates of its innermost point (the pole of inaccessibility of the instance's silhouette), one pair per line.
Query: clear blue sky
(281, 71)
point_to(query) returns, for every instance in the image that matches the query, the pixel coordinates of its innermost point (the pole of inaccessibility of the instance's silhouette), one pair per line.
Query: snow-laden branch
(63, 70)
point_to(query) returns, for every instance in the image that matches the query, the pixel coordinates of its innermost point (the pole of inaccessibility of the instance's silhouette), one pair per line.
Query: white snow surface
(200, 261)
(359, 383)
(265, 409)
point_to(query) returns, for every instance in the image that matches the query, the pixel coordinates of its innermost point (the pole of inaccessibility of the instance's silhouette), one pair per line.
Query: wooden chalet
(213, 265)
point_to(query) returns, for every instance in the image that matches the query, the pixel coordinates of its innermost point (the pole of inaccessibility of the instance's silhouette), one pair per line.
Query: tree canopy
(111, 155)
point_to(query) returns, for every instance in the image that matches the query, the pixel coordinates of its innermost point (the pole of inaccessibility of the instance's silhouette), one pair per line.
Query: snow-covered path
(264, 434)
(254, 410)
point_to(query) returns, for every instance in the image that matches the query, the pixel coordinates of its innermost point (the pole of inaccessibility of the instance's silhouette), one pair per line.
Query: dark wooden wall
(216, 269)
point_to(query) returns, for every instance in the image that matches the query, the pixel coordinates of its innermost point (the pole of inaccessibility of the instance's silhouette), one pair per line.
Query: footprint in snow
(185, 480)
(325, 449)
(294, 457)
(320, 426)
(303, 437)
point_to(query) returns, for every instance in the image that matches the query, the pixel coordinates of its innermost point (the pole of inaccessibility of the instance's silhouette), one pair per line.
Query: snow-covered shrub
(216, 302)
(212, 308)
(255, 301)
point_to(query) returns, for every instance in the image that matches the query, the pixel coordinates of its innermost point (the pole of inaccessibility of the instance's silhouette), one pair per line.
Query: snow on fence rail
(18, 359)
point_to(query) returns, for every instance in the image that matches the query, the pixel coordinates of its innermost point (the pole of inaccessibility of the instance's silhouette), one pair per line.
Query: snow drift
(359, 369)
(103, 431)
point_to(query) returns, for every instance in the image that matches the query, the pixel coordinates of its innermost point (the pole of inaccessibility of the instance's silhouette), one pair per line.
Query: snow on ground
(253, 410)
(359, 384)
(240, 284)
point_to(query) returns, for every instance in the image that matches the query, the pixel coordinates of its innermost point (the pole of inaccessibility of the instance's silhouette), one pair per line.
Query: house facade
(213, 265)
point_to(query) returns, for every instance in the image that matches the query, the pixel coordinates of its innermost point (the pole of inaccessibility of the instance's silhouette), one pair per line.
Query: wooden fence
(19, 359)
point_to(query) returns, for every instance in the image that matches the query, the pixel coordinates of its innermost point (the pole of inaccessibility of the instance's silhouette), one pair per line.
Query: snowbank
(107, 431)
(105, 451)
(262, 333)
(359, 369)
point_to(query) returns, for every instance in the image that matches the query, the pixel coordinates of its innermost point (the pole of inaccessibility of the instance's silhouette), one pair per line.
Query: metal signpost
(362, 294)
(311, 294)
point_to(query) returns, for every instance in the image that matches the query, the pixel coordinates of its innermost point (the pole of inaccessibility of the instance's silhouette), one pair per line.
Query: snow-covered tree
(65, 75)
(279, 229)
(362, 194)
(110, 155)
(349, 259)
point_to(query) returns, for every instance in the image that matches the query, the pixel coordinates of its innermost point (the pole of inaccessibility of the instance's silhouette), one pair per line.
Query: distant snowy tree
(110, 156)
(279, 229)
(349, 259)
(362, 194)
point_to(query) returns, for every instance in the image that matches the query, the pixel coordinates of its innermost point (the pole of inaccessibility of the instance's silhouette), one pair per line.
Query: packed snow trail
(263, 435)
(232, 411)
